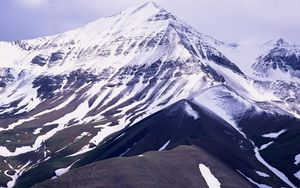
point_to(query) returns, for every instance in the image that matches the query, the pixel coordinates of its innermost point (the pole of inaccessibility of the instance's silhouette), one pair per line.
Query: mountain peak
(151, 4)
(282, 42)
(148, 7)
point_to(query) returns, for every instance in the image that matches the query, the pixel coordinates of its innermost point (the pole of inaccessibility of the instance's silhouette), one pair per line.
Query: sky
(241, 21)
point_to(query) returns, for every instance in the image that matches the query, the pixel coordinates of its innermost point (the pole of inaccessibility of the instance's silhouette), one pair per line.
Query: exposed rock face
(6, 76)
(140, 80)
(40, 60)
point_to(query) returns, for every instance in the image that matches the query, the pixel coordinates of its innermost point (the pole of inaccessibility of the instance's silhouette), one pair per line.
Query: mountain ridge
(95, 81)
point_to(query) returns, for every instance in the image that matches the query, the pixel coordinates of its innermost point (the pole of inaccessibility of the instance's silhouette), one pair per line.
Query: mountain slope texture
(141, 99)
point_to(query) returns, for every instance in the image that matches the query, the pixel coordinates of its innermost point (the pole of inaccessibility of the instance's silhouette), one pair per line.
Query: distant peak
(148, 6)
(153, 4)
(282, 42)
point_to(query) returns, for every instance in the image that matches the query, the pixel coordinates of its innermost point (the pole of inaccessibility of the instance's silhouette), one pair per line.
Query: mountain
(158, 168)
(139, 82)
(283, 58)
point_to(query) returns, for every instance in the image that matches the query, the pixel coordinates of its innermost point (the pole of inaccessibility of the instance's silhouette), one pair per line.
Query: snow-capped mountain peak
(106, 76)
(281, 61)
(282, 42)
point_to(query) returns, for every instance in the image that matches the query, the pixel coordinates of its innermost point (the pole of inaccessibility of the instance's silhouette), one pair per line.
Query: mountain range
(141, 99)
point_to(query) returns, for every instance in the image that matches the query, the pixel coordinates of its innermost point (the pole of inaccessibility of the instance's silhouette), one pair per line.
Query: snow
(134, 26)
(274, 135)
(297, 175)
(62, 171)
(209, 100)
(279, 174)
(16, 175)
(164, 146)
(243, 85)
(297, 159)
(103, 133)
(262, 174)
(244, 56)
(62, 105)
(190, 111)
(253, 182)
(77, 113)
(37, 131)
(11, 55)
(19, 122)
(210, 179)
(122, 154)
(222, 102)
(83, 134)
(265, 145)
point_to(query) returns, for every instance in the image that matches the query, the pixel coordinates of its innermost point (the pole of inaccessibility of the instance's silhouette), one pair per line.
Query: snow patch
(279, 174)
(16, 175)
(62, 171)
(262, 174)
(255, 183)
(265, 145)
(297, 175)
(210, 179)
(190, 111)
(274, 135)
(82, 135)
(164, 146)
(37, 131)
(297, 159)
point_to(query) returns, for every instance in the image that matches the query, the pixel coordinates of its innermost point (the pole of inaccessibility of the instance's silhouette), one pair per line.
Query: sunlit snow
(210, 179)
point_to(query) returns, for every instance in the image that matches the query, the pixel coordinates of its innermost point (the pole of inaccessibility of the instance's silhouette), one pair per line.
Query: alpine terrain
(141, 99)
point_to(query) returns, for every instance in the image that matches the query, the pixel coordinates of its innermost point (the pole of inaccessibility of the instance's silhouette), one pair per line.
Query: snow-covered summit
(98, 79)
(281, 61)
(138, 35)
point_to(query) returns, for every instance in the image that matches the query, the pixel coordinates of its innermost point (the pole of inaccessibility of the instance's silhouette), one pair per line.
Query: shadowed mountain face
(143, 80)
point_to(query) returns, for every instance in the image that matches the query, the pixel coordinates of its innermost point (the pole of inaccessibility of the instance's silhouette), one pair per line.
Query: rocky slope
(63, 97)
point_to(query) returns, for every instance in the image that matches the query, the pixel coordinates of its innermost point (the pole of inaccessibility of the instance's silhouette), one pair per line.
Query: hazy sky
(227, 20)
